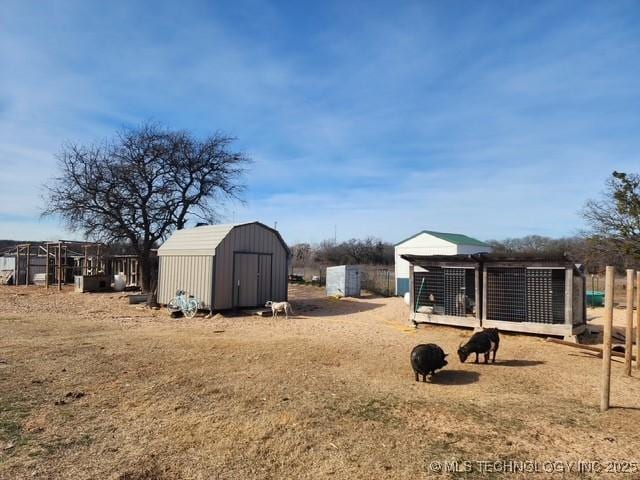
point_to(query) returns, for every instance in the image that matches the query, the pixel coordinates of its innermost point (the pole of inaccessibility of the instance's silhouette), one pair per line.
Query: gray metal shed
(343, 280)
(225, 266)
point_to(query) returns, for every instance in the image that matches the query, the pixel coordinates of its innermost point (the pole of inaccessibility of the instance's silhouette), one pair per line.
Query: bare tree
(142, 185)
(615, 218)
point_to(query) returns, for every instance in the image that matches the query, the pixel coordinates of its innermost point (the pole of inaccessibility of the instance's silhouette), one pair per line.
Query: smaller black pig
(426, 359)
(484, 342)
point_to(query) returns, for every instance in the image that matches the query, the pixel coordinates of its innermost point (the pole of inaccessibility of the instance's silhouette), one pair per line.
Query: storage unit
(92, 283)
(428, 242)
(544, 295)
(225, 266)
(343, 281)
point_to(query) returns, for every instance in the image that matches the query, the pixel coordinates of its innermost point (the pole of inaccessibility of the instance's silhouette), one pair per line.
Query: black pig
(426, 359)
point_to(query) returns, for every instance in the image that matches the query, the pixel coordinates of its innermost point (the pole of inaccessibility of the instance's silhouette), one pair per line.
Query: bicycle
(188, 305)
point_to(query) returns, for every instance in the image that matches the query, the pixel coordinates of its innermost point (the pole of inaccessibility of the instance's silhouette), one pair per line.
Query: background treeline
(594, 252)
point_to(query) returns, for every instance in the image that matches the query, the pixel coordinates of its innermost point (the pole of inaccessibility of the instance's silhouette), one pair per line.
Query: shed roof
(455, 238)
(205, 239)
(492, 258)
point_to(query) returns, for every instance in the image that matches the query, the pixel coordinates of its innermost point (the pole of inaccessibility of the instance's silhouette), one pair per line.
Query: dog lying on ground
(277, 307)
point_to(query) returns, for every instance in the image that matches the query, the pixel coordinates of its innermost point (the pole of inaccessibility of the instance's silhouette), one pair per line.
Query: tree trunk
(148, 272)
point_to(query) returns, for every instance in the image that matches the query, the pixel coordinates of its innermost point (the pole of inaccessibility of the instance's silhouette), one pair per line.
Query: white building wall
(426, 244)
(423, 244)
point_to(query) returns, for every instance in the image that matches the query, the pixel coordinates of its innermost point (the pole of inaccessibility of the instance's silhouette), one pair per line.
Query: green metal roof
(455, 238)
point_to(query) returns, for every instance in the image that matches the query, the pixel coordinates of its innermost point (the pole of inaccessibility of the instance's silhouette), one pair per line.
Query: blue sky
(494, 119)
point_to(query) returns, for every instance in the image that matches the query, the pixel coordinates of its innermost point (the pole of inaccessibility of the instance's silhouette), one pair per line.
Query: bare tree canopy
(142, 185)
(615, 217)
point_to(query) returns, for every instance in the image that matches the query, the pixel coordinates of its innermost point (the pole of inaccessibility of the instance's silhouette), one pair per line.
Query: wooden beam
(605, 394)
(451, 320)
(568, 296)
(589, 348)
(628, 344)
(557, 329)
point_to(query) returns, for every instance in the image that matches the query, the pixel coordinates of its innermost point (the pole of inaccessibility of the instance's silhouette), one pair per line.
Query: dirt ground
(93, 388)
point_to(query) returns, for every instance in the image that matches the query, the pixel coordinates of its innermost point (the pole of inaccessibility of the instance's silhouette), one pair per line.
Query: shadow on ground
(518, 363)
(329, 307)
(455, 377)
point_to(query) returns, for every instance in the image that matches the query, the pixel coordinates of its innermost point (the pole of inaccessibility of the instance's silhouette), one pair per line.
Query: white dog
(279, 307)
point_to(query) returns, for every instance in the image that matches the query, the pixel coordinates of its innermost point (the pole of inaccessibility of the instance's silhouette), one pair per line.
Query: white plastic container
(119, 282)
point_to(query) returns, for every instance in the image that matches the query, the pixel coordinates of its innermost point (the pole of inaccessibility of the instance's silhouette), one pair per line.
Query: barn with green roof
(428, 242)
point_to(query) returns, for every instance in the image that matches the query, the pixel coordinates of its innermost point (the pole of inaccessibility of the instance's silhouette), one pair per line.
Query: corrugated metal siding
(245, 284)
(195, 241)
(335, 281)
(194, 274)
(343, 280)
(252, 238)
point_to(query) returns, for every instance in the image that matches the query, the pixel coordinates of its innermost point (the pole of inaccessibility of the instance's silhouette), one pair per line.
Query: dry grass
(328, 393)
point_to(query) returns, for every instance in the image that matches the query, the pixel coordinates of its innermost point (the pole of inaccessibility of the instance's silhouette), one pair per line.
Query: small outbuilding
(343, 281)
(225, 266)
(428, 242)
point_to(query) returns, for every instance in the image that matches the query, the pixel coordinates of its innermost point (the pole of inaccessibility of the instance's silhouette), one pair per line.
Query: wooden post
(46, 269)
(59, 262)
(484, 296)
(26, 281)
(478, 300)
(638, 320)
(64, 266)
(16, 280)
(568, 300)
(628, 343)
(606, 340)
(412, 299)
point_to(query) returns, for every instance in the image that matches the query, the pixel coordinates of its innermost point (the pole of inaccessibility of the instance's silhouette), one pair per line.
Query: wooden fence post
(638, 320)
(46, 269)
(628, 338)
(606, 339)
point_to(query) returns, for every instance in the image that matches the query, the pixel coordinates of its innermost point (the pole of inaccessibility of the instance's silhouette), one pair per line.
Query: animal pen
(521, 294)
(58, 263)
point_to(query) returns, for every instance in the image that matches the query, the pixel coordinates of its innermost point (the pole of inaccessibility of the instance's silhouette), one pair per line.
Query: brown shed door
(245, 280)
(264, 279)
(251, 279)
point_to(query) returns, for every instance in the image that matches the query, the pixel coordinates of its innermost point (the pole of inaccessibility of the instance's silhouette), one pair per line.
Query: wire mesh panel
(454, 292)
(526, 294)
(539, 296)
(448, 290)
(429, 289)
(558, 297)
(507, 294)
